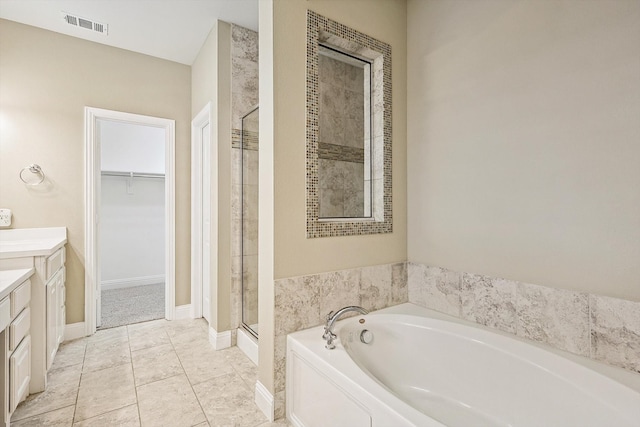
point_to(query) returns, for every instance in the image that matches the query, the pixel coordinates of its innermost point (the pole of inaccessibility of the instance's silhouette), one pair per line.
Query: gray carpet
(132, 305)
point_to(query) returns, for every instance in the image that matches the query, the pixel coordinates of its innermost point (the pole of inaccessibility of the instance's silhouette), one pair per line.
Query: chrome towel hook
(35, 169)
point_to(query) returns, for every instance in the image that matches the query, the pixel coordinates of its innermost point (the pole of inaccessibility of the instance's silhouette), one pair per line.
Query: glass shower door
(249, 220)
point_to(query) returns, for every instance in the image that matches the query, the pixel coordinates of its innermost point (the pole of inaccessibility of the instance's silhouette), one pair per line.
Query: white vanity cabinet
(43, 250)
(56, 312)
(15, 339)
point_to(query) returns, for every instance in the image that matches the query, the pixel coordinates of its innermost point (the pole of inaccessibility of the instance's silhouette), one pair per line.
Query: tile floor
(156, 373)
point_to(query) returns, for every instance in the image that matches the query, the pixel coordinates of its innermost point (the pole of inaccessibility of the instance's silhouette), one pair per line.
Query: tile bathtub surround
(603, 328)
(171, 377)
(303, 302)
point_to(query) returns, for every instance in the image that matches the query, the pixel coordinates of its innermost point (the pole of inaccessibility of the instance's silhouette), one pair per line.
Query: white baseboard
(183, 312)
(74, 331)
(130, 282)
(264, 401)
(219, 340)
(248, 344)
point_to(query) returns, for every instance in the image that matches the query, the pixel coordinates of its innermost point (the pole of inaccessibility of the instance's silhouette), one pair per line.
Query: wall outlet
(5, 217)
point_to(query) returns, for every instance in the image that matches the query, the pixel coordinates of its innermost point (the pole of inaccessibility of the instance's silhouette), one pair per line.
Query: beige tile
(104, 391)
(155, 363)
(59, 418)
(282, 422)
(243, 366)
(71, 353)
(123, 417)
(145, 338)
(228, 401)
(169, 402)
(56, 396)
(66, 374)
(203, 363)
(106, 355)
(105, 337)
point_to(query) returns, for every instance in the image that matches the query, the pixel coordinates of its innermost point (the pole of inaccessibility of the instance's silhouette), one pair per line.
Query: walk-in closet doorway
(130, 233)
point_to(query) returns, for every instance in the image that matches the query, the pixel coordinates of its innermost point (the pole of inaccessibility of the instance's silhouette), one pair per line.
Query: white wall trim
(248, 344)
(73, 331)
(219, 340)
(183, 312)
(92, 208)
(202, 119)
(131, 282)
(264, 401)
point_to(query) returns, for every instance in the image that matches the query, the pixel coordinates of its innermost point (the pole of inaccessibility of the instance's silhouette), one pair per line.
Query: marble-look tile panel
(244, 43)
(169, 402)
(399, 283)
(59, 418)
(615, 331)
(435, 288)
(297, 304)
(337, 289)
(554, 316)
(489, 302)
(279, 362)
(376, 286)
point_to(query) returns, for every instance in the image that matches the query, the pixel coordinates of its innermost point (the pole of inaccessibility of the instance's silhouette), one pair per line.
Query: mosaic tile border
(318, 26)
(249, 142)
(341, 153)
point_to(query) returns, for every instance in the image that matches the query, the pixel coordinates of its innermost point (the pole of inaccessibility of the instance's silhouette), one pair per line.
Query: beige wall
(295, 254)
(46, 80)
(211, 82)
(282, 151)
(524, 141)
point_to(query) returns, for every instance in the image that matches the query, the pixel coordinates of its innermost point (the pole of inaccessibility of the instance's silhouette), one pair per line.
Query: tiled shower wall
(341, 139)
(244, 231)
(602, 328)
(303, 302)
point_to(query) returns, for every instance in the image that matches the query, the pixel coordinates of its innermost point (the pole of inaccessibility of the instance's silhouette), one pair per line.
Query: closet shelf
(133, 174)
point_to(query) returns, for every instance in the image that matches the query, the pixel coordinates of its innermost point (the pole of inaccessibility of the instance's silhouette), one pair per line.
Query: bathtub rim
(626, 377)
(308, 344)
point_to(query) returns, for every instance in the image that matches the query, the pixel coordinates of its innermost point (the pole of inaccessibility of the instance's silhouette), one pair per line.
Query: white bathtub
(427, 369)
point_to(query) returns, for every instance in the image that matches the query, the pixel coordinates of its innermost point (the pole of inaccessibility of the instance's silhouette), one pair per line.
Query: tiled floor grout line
(75, 406)
(133, 373)
(174, 337)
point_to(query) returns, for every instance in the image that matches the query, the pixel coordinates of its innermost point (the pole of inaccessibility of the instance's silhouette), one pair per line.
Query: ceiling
(168, 29)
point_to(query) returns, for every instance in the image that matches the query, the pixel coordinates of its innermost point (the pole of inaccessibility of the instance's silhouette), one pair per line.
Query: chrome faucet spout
(332, 318)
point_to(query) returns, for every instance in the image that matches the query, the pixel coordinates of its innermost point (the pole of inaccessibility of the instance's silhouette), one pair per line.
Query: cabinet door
(19, 373)
(60, 315)
(52, 320)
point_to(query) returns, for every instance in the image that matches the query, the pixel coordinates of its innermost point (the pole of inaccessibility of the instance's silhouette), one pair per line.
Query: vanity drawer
(19, 328)
(5, 313)
(20, 298)
(54, 262)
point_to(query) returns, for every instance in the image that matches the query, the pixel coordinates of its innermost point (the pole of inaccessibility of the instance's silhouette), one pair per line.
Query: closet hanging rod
(133, 174)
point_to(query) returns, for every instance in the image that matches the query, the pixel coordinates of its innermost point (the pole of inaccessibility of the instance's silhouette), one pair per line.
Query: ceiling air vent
(88, 24)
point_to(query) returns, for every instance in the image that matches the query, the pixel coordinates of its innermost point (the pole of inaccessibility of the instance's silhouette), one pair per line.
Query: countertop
(25, 242)
(9, 279)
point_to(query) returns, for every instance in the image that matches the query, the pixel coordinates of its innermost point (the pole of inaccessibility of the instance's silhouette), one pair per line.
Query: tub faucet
(332, 318)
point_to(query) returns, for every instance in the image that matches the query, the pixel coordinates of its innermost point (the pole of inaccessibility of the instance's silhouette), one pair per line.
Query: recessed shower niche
(348, 136)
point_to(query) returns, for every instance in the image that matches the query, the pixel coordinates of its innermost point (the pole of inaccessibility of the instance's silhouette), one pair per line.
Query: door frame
(202, 119)
(92, 207)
